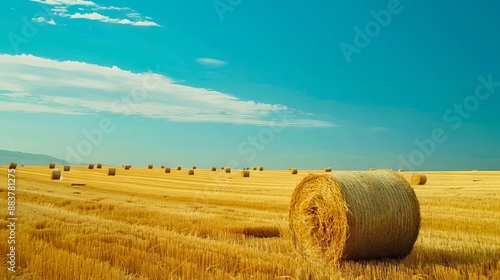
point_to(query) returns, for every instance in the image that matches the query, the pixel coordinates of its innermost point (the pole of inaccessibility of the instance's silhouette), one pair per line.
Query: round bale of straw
(372, 169)
(112, 171)
(91, 166)
(328, 169)
(418, 179)
(194, 167)
(354, 215)
(401, 170)
(167, 169)
(99, 166)
(52, 165)
(67, 168)
(191, 172)
(163, 166)
(127, 167)
(55, 175)
(213, 168)
(261, 168)
(293, 170)
(245, 173)
(254, 168)
(150, 166)
(178, 168)
(227, 169)
(12, 165)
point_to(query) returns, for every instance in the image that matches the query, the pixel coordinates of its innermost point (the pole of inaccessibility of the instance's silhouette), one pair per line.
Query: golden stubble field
(145, 224)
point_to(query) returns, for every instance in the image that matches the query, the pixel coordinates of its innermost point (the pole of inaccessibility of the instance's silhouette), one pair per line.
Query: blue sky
(351, 85)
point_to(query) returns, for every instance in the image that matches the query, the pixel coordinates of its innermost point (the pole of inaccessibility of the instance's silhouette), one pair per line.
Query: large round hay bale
(163, 166)
(222, 168)
(372, 169)
(401, 170)
(227, 169)
(150, 166)
(261, 168)
(354, 215)
(55, 175)
(254, 168)
(99, 166)
(127, 167)
(194, 167)
(293, 170)
(167, 169)
(213, 168)
(178, 168)
(248, 168)
(91, 166)
(67, 168)
(112, 171)
(12, 165)
(191, 172)
(328, 169)
(245, 173)
(418, 179)
(52, 165)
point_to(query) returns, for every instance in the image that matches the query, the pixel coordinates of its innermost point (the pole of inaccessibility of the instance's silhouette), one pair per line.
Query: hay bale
(227, 169)
(55, 175)
(150, 166)
(194, 167)
(127, 167)
(163, 166)
(328, 169)
(99, 166)
(52, 165)
(261, 168)
(191, 172)
(293, 170)
(12, 165)
(254, 168)
(401, 170)
(91, 166)
(222, 168)
(418, 179)
(354, 215)
(112, 172)
(178, 168)
(167, 169)
(67, 168)
(372, 169)
(248, 168)
(213, 168)
(245, 173)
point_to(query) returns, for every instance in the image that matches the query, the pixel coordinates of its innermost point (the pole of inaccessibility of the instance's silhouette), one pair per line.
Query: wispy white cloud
(36, 85)
(42, 20)
(87, 11)
(211, 62)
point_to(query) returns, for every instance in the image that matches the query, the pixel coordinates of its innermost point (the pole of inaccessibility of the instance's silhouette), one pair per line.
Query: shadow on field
(450, 258)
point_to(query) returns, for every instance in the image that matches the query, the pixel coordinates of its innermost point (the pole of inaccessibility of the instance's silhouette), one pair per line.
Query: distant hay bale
(418, 179)
(167, 169)
(227, 169)
(52, 165)
(293, 170)
(372, 169)
(248, 168)
(112, 171)
(91, 166)
(178, 168)
(12, 165)
(328, 169)
(261, 168)
(354, 215)
(213, 168)
(194, 167)
(150, 166)
(401, 170)
(254, 168)
(127, 167)
(56, 175)
(245, 173)
(99, 166)
(67, 168)
(191, 172)
(163, 166)
(222, 168)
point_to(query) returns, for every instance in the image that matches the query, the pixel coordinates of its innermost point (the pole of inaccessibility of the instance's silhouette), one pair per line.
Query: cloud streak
(32, 84)
(211, 62)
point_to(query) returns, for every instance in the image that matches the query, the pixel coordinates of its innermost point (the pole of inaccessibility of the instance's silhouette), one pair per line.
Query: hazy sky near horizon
(351, 85)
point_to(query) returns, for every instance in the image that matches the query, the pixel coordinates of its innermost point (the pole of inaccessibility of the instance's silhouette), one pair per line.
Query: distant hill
(6, 157)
